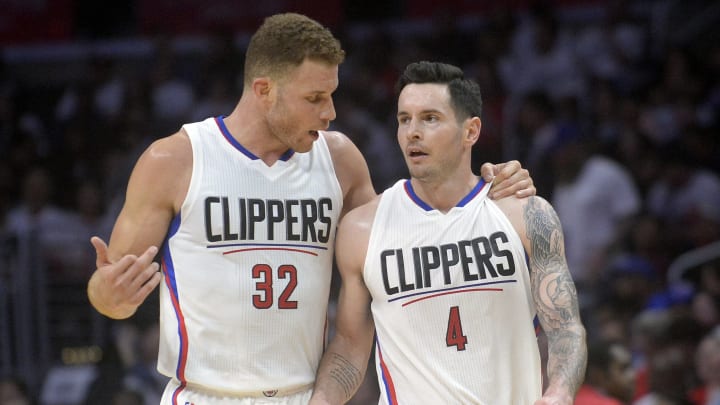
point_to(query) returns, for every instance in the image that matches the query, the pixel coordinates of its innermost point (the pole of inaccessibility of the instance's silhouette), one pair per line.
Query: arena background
(614, 106)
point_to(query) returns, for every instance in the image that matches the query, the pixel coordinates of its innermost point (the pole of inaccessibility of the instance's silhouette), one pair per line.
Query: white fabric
(483, 283)
(225, 324)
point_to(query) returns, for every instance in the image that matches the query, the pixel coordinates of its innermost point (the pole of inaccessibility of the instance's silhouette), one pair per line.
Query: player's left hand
(508, 178)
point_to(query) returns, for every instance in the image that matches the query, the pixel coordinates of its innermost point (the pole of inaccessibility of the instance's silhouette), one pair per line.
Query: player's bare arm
(343, 366)
(351, 170)
(556, 302)
(125, 273)
(553, 293)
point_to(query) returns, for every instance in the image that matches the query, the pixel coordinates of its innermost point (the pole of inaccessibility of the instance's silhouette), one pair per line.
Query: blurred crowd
(613, 107)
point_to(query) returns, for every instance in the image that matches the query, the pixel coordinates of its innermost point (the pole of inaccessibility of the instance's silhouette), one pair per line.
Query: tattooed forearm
(345, 374)
(555, 295)
(567, 357)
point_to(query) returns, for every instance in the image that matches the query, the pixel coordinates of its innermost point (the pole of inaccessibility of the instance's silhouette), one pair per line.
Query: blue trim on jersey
(174, 226)
(228, 136)
(411, 193)
(267, 245)
(475, 191)
(169, 269)
(425, 206)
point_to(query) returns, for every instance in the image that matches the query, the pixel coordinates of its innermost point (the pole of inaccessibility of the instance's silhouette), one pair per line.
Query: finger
(505, 177)
(135, 271)
(147, 288)
(101, 257)
(144, 275)
(527, 191)
(488, 170)
(511, 186)
(509, 169)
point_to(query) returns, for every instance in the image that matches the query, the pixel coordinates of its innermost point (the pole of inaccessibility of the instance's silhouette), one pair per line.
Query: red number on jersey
(264, 285)
(454, 336)
(284, 271)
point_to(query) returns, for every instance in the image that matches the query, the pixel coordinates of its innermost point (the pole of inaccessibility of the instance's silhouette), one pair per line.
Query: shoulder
(526, 214)
(170, 152)
(353, 237)
(351, 170)
(170, 147)
(360, 219)
(345, 154)
(165, 165)
(340, 146)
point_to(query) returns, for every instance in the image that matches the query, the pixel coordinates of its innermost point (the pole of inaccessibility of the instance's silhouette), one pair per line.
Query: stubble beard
(283, 129)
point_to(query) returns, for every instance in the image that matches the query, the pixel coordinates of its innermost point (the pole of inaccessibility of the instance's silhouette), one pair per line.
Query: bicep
(149, 206)
(352, 172)
(354, 320)
(553, 289)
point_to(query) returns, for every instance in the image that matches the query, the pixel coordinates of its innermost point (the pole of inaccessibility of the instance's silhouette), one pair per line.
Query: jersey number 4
(263, 274)
(455, 336)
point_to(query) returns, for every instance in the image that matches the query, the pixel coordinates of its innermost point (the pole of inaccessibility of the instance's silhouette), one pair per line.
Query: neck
(248, 126)
(446, 194)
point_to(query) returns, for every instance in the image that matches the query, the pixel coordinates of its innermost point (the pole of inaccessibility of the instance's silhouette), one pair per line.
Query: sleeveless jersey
(451, 300)
(247, 266)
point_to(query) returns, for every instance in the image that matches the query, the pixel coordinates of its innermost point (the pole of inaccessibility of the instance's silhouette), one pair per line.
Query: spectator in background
(612, 48)
(707, 367)
(541, 58)
(667, 374)
(665, 340)
(172, 95)
(537, 131)
(687, 197)
(595, 198)
(38, 218)
(610, 377)
(13, 391)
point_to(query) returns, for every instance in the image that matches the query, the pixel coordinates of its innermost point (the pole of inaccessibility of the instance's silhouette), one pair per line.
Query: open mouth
(415, 152)
(314, 133)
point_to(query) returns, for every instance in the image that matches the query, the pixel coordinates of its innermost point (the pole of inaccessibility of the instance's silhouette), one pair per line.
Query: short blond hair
(284, 41)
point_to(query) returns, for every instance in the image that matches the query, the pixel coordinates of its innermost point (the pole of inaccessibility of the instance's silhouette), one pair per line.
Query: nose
(412, 129)
(328, 111)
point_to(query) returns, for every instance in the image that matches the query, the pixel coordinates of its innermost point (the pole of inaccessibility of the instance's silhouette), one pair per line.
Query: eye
(431, 118)
(403, 120)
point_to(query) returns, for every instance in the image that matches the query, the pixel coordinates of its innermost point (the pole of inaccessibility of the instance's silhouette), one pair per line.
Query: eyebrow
(428, 111)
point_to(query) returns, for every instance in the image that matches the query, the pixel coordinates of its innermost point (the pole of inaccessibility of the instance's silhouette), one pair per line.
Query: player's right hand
(116, 289)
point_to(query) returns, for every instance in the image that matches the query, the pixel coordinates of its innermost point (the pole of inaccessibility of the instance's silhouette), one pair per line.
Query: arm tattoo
(555, 295)
(345, 374)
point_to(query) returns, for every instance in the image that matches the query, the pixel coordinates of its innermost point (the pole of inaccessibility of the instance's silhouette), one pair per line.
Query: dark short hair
(465, 97)
(284, 41)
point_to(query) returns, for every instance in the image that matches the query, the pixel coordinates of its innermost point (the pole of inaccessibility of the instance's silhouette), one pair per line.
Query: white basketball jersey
(451, 300)
(247, 266)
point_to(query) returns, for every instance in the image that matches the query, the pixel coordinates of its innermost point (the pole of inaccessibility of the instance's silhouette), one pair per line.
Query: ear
(262, 88)
(472, 129)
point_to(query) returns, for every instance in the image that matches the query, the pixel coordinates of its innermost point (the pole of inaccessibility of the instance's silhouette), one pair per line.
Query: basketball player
(452, 283)
(245, 207)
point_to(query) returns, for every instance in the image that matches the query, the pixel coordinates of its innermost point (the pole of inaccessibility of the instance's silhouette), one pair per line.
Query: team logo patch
(270, 393)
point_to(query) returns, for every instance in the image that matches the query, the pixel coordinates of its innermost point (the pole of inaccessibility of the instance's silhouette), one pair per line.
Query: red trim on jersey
(386, 378)
(182, 330)
(451, 292)
(177, 392)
